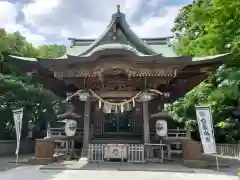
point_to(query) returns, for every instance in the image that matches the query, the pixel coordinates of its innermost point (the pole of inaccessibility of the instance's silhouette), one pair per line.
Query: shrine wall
(8, 147)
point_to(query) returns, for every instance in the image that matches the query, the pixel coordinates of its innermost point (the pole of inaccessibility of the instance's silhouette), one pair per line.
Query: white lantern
(83, 96)
(161, 128)
(145, 97)
(70, 127)
(166, 94)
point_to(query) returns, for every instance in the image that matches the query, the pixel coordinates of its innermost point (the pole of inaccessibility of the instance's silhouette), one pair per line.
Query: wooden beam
(119, 94)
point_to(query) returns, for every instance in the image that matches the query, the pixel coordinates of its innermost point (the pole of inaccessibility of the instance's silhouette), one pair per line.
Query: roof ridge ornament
(118, 8)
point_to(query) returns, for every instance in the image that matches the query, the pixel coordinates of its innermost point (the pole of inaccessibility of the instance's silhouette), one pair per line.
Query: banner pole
(17, 116)
(17, 159)
(206, 130)
(217, 163)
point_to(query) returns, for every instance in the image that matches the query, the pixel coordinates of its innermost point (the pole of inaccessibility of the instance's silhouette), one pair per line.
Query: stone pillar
(44, 148)
(192, 150)
(44, 151)
(86, 126)
(146, 123)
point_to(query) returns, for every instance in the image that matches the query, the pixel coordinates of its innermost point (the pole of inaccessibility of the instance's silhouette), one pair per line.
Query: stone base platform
(200, 164)
(84, 165)
(40, 161)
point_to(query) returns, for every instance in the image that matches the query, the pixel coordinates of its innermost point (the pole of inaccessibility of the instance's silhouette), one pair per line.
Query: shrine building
(118, 86)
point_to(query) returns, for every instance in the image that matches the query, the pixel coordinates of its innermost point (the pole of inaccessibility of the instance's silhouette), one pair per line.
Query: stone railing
(133, 153)
(55, 132)
(8, 147)
(175, 133)
(229, 150)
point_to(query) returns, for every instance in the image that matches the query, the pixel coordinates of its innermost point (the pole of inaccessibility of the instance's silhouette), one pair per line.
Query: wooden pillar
(146, 122)
(86, 129)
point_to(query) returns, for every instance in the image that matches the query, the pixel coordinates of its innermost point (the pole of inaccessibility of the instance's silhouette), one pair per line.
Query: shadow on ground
(152, 167)
(9, 162)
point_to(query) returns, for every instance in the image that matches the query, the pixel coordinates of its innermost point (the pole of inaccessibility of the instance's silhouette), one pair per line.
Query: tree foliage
(211, 27)
(19, 90)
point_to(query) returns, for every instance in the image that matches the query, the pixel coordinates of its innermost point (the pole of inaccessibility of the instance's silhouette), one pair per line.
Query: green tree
(18, 90)
(51, 51)
(211, 27)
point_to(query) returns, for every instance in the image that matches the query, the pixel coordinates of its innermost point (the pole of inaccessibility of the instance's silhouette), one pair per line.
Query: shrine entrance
(118, 122)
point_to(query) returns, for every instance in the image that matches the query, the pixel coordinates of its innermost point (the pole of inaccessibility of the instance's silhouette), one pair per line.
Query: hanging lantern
(83, 96)
(145, 97)
(166, 94)
(68, 94)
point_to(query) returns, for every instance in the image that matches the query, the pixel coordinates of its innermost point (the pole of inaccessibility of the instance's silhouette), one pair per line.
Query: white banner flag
(205, 126)
(17, 116)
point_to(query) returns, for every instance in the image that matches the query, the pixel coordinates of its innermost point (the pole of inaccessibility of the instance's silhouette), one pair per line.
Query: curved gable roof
(119, 29)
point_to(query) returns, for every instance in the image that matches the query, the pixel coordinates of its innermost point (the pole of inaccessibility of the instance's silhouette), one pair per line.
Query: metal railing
(229, 150)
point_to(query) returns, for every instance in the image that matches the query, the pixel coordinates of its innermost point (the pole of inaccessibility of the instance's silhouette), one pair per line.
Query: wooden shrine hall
(119, 85)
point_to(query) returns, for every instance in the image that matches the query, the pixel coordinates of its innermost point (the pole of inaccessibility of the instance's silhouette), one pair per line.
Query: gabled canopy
(118, 32)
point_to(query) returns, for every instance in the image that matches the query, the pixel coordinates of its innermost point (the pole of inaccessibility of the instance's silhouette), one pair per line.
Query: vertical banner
(17, 116)
(205, 126)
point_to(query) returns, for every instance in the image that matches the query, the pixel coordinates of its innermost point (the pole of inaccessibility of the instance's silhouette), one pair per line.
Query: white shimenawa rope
(133, 99)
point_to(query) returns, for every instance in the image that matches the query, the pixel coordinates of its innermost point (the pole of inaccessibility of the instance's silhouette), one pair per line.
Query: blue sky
(53, 21)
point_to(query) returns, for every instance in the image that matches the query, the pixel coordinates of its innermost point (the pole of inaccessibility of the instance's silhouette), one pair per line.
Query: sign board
(17, 117)
(117, 151)
(161, 128)
(70, 127)
(205, 126)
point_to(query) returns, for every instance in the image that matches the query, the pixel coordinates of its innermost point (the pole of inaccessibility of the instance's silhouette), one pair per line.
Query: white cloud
(74, 18)
(8, 21)
(158, 26)
(5, 16)
(59, 19)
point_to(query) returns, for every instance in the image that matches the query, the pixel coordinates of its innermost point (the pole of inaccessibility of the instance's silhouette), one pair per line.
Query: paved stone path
(33, 173)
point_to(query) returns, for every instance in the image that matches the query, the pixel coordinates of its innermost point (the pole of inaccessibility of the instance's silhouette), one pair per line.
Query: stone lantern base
(44, 151)
(192, 154)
